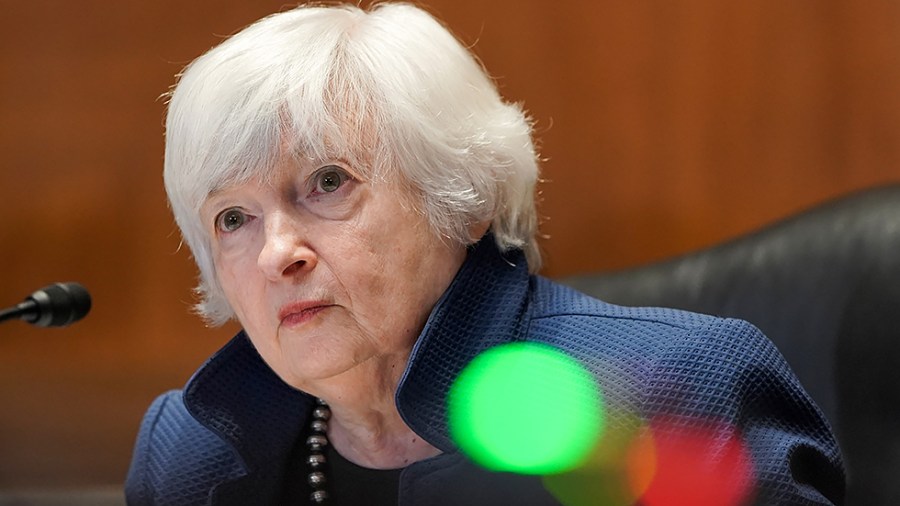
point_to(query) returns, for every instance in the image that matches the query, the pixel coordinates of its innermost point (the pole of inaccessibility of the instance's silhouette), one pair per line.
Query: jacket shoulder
(177, 460)
(675, 369)
(551, 299)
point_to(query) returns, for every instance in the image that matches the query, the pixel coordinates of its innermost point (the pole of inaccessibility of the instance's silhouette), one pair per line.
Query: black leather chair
(824, 285)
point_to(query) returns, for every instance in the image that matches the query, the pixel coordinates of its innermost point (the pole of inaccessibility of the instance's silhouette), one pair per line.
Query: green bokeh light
(526, 408)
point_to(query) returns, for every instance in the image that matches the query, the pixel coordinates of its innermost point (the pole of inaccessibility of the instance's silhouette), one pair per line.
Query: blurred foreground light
(526, 408)
(701, 465)
(618, 471)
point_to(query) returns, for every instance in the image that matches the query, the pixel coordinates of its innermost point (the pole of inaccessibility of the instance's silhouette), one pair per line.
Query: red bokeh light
(690, 464)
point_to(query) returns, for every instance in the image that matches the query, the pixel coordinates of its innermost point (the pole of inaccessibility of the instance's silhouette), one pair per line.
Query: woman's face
(326, 271)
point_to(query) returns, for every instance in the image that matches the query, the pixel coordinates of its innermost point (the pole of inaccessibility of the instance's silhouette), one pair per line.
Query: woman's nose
(286, 251)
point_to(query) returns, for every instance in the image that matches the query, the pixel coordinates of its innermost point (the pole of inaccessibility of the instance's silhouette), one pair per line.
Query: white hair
(319, 78)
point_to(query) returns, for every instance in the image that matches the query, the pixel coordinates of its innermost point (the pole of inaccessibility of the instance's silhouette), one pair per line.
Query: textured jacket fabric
(225, 439)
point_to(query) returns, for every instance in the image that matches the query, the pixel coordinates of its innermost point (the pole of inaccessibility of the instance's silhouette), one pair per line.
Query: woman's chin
(315, 367)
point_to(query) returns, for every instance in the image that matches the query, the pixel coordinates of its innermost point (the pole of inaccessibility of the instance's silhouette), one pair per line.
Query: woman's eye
(231, 220)
(329, 179)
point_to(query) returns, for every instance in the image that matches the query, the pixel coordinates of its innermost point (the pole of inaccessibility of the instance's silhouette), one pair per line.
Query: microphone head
(58, 305)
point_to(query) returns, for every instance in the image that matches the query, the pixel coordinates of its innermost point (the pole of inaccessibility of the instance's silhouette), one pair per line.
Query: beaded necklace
(316, 442)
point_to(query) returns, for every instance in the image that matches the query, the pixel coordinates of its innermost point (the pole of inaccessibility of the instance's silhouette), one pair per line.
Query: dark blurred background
(666, 127)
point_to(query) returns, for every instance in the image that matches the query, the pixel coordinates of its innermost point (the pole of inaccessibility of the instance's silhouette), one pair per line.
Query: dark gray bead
(316, 460)
(316, 442)
(316, 479)
(322, 413)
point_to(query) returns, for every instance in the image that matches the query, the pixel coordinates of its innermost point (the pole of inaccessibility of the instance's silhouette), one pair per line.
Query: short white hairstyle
(320, 77)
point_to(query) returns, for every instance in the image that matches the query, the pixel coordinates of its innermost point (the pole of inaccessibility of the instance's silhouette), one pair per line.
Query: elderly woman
(358, 196)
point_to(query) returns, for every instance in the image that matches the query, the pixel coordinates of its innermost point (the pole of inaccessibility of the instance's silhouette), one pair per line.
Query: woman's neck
(377, 438)
(365, 426)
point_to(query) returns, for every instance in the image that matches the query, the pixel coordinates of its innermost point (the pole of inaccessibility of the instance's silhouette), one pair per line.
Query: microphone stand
(15, 312)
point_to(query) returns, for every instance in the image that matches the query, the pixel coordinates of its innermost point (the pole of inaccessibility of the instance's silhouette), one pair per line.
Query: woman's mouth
(299, 313)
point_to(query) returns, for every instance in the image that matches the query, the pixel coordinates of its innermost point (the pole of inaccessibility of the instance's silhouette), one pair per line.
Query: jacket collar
(485, 306)
(236, 395)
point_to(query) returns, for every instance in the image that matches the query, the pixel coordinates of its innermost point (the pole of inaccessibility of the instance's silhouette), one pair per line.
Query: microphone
(56, 305)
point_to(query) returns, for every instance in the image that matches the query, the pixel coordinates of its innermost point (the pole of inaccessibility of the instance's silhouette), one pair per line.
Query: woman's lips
(298, 313)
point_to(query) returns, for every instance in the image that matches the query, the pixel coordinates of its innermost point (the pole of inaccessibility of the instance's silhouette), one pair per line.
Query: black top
(348, 483)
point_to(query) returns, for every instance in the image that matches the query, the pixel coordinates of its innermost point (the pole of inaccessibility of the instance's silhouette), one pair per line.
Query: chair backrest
(824, 286)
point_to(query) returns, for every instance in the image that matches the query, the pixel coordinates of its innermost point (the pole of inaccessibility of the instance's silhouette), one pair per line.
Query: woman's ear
(477, 230)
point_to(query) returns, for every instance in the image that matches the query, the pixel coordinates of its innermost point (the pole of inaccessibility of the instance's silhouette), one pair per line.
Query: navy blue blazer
(227, 437)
